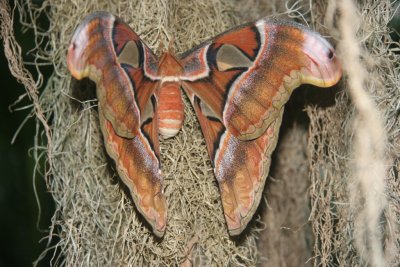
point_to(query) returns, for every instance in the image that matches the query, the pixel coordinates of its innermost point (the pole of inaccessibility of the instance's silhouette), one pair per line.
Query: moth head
(169, 65)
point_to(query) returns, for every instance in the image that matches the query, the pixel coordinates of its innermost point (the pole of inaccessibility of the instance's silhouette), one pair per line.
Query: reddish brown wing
(238, 84)
(241, 167)
(246, 75)
(107, 51)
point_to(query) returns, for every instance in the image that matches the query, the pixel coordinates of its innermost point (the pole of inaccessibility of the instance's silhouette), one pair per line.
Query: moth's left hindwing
(241, 167)
(238, 83)
(108, 52)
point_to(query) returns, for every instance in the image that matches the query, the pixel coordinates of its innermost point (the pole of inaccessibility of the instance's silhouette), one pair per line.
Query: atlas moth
(238, 83)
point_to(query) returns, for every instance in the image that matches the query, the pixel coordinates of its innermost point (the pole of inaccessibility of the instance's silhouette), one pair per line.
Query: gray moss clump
(333, 197)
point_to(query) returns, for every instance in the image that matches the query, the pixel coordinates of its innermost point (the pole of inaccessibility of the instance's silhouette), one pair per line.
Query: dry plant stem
(369, 144)
(12, 51)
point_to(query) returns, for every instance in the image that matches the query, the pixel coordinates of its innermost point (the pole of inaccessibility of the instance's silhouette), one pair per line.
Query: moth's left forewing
(238, 83)
(253, 70)
(288, 55)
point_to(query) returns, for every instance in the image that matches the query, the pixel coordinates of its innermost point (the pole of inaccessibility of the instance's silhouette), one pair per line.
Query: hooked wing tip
(71, 62)
(155, 211)
(155, 214)
(159, 230)
(239, 221)
(324, 69)
(159, 223)
(84, 37)
(75, 57)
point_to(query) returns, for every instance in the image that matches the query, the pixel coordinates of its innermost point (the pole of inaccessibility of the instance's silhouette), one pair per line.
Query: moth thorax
(170, 109)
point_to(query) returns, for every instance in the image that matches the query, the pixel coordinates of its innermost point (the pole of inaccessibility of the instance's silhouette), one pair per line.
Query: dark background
(20, 235)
